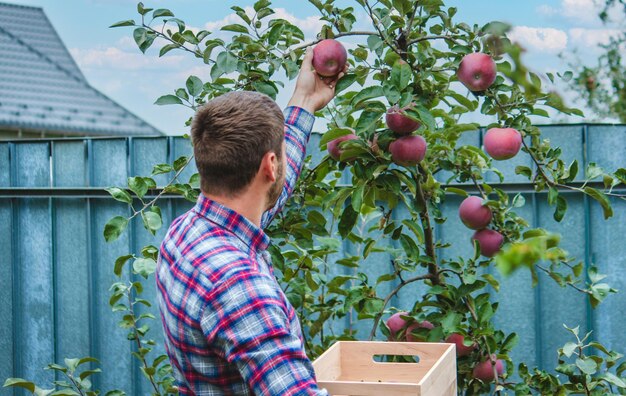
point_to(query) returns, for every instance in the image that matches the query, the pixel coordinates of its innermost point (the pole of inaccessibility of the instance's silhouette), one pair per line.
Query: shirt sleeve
(246, 321)
(298, 126)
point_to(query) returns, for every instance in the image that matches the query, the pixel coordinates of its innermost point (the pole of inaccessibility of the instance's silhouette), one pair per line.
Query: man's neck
(247, 204)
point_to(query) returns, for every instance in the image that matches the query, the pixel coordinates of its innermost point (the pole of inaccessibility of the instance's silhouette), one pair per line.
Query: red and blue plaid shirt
(229, 329)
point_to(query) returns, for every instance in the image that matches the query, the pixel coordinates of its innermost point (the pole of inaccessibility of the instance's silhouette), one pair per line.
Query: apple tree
(415, 74)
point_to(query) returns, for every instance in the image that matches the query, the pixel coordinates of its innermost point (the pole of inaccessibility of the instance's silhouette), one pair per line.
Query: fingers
(307, 62)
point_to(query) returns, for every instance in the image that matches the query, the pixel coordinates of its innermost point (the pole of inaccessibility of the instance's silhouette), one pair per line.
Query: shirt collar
(226, 218)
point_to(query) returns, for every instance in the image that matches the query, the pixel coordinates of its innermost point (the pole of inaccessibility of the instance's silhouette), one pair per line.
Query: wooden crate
(349, 368)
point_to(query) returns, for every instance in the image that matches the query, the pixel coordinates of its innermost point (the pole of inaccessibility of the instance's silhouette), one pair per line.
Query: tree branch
(428, 231)
(390, 296)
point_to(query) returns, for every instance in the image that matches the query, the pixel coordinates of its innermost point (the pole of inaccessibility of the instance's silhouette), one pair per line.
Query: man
(229, 329)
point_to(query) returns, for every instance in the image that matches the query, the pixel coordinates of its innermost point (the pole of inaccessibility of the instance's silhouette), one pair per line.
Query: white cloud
(582, 12)
(587, 38)
(541, 39)
(585, 11)
(117, 59)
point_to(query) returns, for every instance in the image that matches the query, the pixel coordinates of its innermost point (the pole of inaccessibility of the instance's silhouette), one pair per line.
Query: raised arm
(311, 94)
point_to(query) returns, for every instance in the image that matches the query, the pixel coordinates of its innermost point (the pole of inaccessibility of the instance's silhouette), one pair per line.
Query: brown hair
(230, 136)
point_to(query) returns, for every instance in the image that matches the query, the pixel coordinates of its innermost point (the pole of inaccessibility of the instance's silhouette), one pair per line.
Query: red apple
(417, 325)
(477, 71)
(329, 57)
(502, 143)
(398, 122)
(461, 349)
(484, 370)
(408, 150)
(396, 323)
(489, 241)
(474, 214)
(333, 146)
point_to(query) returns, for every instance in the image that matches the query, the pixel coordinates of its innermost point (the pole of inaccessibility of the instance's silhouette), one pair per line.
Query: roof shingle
(42, 88)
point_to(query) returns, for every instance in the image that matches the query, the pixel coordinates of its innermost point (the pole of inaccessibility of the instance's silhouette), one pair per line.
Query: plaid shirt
(229, 329)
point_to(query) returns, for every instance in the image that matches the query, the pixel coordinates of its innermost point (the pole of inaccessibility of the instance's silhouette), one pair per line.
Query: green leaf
(261, 4)
(88, 373)
(523, 170)
(602, 199)
(144, 267)
(151, 221)
(119, 194)
(613, 379)
(334, 134)
(142, 10)
(401, 74)
(587, 365)
(347, 220)
(119, 264)
(265, 88)
(457, 191)
(569, 348)
(194, 86)
(19, 382)
(180, 162)
(593, 171)
(138, 185)
(518, 201)
(128, 22)
(71, 364)
(367, 93)
(162, 12)
(553, 193)
(235, 27)
(114, 228)
(369, 117)
(345, 82)
(167, 48)
(561, 208)
(168, 99)
(621, 175)
(161, 168)
(422, 113)
(227, 62)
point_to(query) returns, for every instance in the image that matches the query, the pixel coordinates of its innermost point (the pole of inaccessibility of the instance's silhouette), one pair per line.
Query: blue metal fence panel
(7, 308)
(59, 268)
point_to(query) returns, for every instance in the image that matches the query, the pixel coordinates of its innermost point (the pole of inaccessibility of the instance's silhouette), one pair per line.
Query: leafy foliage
(386, 211)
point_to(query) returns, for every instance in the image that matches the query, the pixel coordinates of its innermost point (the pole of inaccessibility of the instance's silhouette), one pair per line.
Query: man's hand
(313, 91)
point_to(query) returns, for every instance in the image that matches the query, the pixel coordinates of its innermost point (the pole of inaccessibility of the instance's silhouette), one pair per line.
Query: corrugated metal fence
(56, 267)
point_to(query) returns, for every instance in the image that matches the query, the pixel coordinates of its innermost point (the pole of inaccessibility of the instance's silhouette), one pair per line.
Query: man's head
(232, 134)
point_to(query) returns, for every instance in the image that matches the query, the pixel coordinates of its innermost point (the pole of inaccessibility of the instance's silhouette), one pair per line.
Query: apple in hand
(489, 241)
(329, 58)
(408, 150)
(484, 370)
(333, 146)
(461, 349)
(398, 122)
(477, 71)
(502, 143)
(474, 214)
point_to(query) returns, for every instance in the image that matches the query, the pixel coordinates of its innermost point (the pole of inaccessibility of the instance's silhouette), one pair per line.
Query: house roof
(42, 88)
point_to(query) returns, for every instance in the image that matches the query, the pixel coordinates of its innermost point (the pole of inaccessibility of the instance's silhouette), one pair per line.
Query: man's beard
(274, 192)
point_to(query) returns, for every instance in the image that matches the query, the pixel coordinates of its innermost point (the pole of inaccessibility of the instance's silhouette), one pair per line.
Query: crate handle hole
(396, 358)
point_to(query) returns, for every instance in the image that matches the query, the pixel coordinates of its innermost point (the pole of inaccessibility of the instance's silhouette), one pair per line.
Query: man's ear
(269, 166)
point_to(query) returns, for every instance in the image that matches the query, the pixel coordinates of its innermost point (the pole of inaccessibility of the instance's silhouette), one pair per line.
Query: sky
(113, 64)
